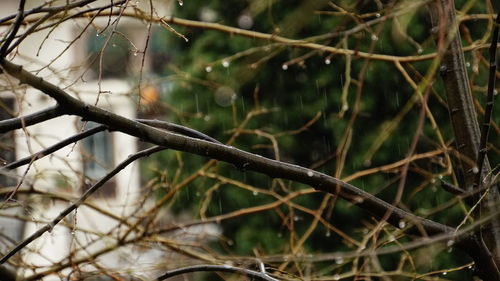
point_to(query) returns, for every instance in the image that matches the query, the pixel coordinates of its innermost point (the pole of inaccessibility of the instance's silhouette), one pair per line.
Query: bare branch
(32, 119)
(15, 27)
(178, 129)
(53, 148)
(485, 128)
(241, 159)
(224, 268)
(72, 207)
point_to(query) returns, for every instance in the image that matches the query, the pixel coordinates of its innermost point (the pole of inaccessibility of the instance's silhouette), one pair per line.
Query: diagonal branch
(241, 159)
(53, 148)
(218, 268)
(32, 119)
(72, 207)
(15, 27)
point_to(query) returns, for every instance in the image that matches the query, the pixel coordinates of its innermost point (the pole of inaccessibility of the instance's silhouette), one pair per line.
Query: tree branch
(8, 125)
(72, 207)
(225, 268)
(241, 159)
(178, 129)
(53, 148)
(467, 136)
(4, 49)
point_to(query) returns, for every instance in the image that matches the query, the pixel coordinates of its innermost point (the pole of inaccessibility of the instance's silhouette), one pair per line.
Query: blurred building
(99, 69)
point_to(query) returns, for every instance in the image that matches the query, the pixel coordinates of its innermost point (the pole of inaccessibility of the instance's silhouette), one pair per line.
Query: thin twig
(485, 129)
(15, 27)
(53, 148)
(178, 129)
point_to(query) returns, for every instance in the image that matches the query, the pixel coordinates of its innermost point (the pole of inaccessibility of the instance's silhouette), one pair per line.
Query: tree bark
(483, 246)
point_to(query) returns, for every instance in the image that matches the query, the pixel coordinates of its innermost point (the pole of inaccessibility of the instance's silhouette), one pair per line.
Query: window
(7, 144)
(115, 61)
(97, 154)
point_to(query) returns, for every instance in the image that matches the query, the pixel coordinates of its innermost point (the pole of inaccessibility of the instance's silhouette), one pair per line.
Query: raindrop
(225, 63)
(495, 92)
(328, 233)
(377, 15)
(296, 218)
(72, 232)
(450, 243)
(208, 68)
(310, 173)
(444, 273)
(208, 15)
(345, 107)
(180, 2)
(336, 277)
(114, 45)
(97, 34)
(402, 224)
(374, 37)
(420, 50)
(284, 67)
(475, 170)
(467, 64)
(255, 193)
(392, 238)
(245, 21)
(339, 260)
(440, 177)
(469, 267)
(225, 96)
(327, 61)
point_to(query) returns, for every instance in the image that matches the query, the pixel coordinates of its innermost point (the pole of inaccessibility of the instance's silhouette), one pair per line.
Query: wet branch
(4, 49)
(485, 128)
(224, 268)
(53, 148)
(72, 207)
(241, 159)
(31, 119)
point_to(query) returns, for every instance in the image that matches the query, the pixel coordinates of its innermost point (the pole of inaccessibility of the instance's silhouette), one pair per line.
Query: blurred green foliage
(294, 96)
